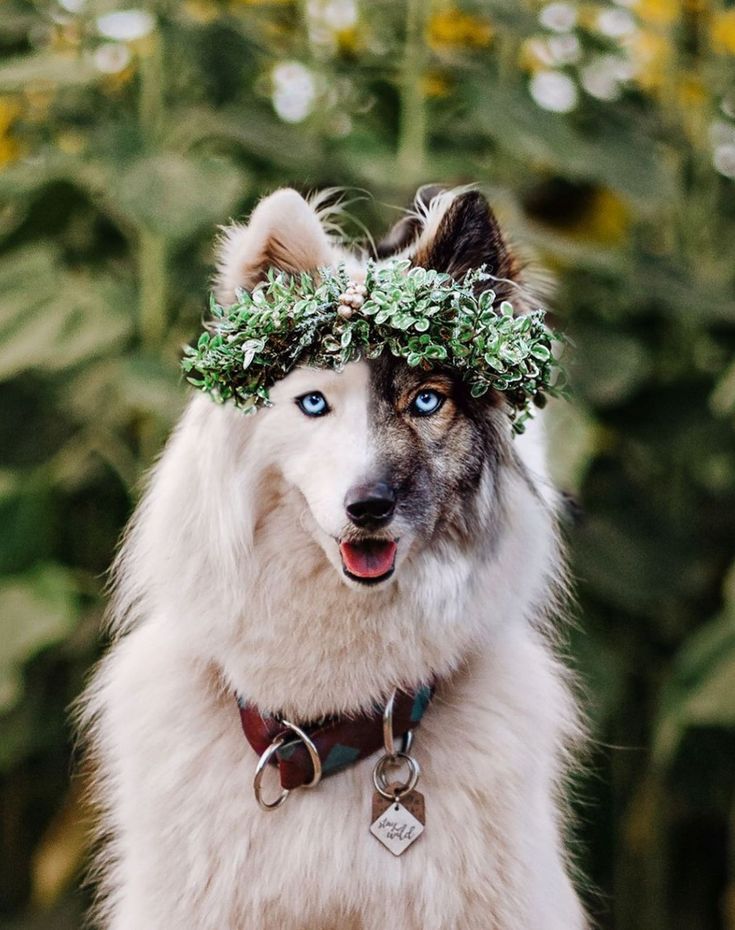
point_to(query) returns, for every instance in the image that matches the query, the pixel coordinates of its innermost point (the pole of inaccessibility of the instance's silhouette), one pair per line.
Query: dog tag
(398, 824)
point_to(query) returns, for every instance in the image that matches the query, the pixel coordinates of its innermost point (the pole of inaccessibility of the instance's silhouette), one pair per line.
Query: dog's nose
(370, 504)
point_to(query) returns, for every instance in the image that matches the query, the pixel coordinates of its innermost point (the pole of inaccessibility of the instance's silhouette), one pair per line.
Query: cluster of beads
(352, 299)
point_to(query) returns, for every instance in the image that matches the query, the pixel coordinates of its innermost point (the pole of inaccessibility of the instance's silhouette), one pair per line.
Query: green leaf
(37, 610)
(55, 318)
(47, 68)
(174, 196)
(700, 692)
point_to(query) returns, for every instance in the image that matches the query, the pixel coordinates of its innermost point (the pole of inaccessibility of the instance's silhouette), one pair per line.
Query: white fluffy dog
(253, 567)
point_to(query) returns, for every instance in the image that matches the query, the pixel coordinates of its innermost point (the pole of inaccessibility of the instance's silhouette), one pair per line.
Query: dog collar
(337, 741)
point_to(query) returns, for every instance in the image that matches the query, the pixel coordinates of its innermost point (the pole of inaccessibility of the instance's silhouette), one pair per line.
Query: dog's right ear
(284, 232)
(406, 231)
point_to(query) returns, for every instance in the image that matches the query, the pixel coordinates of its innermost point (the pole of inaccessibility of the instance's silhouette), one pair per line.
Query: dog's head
(385, 460)
(367, 528)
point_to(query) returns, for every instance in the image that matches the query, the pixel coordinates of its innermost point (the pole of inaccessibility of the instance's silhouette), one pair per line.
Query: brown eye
(426, 402)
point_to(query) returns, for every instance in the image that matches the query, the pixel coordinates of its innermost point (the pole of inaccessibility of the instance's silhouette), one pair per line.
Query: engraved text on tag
(396, 828)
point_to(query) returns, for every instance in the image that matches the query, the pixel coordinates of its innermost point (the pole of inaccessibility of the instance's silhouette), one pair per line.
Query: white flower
(565, 49)
(554, 91)
(559, 17)
(111, 57)
(724, 160)
(294, 91)
(126, 25)
(603, 76)
(72, 6)
(721, 133)
(622, 67)
(616, 24)
(335, 14)
(599, 83)
(727, 105)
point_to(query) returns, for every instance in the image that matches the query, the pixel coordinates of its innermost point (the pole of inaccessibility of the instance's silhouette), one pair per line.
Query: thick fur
(230, 579)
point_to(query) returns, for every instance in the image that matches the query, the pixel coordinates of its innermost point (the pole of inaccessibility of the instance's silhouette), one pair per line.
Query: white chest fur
(194, 851)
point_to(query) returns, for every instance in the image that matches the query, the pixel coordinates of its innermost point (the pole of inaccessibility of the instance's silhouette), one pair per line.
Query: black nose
(370, 504)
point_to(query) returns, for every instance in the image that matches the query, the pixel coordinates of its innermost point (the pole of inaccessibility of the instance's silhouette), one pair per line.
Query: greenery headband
(423, 316)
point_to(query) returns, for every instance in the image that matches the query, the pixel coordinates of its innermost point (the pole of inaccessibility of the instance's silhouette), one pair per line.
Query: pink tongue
(369, 559)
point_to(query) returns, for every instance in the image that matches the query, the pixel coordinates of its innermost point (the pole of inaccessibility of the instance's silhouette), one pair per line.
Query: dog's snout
(370, 504)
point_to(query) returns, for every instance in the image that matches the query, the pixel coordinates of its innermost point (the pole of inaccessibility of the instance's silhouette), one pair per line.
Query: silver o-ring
(382, 787)
(311, 749)
(388, 741)
(260, 769)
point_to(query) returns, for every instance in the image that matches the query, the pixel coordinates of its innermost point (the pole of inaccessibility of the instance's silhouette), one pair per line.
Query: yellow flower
(451, 27)
(587, 14)
(10, 147)
(605, 220)
(10, 110)
(10, 150)
(658, 12)
(349, 40)
(534, 55)
(723, 32)
(691, 92)
(436, 85)
(201, 11)
(70, 143)
(651, 54)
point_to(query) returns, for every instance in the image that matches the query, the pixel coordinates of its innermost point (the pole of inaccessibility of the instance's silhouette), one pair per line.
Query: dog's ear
(407, 230)
(460, 233)
(284, 232)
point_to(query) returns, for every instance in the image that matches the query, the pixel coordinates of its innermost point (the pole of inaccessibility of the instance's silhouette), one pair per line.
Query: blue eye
(426, 402)
(313, 405)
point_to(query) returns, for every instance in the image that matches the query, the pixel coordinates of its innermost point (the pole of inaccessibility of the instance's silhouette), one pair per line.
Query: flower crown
(423, 316)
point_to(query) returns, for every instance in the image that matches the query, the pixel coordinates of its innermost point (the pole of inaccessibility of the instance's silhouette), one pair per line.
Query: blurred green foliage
(605, 135)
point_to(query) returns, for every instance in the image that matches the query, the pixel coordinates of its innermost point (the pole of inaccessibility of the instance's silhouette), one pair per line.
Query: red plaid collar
(340, 741)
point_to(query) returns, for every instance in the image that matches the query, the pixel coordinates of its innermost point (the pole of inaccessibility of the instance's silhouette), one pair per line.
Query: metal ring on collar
(388, 741)
(397, 791)
(311, 749)
(260, 769)
(268, 755)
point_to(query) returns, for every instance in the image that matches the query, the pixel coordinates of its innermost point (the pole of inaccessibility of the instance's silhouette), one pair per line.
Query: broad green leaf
(701, 691)
(609, 365)
(174, 196)
(54, 318)
(47, 69)
(37, 610)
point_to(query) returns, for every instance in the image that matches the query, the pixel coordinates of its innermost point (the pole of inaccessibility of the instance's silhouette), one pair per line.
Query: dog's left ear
(284, 232)
(461, 233)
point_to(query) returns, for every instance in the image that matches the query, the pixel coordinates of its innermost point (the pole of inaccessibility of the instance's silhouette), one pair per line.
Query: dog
(311, 559)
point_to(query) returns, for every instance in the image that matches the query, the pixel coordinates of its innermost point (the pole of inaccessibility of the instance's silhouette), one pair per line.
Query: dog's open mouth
(370, 560)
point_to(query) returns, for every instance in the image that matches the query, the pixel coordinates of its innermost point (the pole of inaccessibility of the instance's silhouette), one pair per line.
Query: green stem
(413, 120)
(152, 246)
(153, 283)
(150, 101)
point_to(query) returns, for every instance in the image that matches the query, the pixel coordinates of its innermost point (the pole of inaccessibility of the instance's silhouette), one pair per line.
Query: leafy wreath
(423, 316)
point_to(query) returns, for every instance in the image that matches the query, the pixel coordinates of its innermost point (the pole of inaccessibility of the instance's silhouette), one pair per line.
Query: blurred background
(604, 134)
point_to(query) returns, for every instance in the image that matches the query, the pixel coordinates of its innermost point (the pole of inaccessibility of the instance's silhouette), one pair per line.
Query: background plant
(604, 133)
